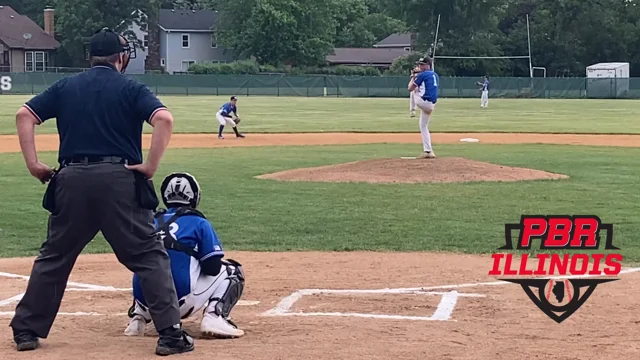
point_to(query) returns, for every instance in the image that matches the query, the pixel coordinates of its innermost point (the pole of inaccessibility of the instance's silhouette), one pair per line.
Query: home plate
(408, 158)
(469, 140)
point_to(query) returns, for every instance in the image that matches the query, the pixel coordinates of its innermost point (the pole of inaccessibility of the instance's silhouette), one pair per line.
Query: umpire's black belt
(87, 160)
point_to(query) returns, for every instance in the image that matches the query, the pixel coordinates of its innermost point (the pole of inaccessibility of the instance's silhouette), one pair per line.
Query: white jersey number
(173, 230)
(435, 80)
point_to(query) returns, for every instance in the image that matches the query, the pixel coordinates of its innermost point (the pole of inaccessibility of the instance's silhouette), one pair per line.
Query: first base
(469, 140)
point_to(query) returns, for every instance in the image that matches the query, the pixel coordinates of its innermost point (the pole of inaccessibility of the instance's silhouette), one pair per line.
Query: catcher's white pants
(484, 99)
(426, 108)
(205, 288)
(223, 120)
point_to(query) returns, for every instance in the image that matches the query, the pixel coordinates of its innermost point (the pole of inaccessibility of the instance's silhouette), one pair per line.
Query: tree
(381, 26)
(350, 30)
(78, 20)
(277, 32)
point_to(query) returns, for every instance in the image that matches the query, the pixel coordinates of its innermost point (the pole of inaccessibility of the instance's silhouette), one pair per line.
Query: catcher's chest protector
(170, 242)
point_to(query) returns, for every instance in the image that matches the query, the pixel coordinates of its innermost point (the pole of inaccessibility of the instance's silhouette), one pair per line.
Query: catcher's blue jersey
(228, 108)
(430, 81)
(196, 233)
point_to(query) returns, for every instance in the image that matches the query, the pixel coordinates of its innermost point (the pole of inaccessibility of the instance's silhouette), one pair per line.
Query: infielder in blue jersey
(203, 280)
(484, 100)
(426, 82)
(228, 114)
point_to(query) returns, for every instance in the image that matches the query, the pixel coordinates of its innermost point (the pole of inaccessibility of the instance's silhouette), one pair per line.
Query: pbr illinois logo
(559, 283)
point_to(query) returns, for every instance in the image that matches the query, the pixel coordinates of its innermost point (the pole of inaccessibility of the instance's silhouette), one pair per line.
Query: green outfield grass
(302, 114)
(252, 214)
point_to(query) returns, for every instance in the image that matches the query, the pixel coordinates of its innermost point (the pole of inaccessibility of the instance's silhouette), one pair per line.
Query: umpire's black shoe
(26, 340)
(174, 340)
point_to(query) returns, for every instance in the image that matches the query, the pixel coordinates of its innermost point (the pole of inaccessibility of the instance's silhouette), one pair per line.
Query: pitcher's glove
(236, 119)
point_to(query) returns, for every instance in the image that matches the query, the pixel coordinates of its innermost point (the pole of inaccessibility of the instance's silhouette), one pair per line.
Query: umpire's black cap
(104, 43)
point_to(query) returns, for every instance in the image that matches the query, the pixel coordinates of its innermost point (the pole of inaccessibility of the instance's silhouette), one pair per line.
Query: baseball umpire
(102, 184)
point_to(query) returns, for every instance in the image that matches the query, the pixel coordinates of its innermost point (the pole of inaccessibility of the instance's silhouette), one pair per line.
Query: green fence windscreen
(350, 86)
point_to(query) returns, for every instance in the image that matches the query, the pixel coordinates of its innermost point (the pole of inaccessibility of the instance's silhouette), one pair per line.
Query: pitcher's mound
(440, 170)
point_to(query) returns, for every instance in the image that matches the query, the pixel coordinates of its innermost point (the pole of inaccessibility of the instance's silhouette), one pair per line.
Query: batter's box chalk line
(75, 286)
(443, 311)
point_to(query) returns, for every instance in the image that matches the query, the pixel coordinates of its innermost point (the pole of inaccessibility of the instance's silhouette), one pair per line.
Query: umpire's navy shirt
(99, 112)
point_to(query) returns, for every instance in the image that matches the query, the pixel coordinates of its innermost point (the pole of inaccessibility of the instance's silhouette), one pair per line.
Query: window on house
(214, 40)
(39, 56)
(186, 64)
(145, 42)
(162, 62)
(36, 61)
(185, 40)
(28, 61)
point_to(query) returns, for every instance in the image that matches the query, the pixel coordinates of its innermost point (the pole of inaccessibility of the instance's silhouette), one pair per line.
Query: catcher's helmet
(180, 189)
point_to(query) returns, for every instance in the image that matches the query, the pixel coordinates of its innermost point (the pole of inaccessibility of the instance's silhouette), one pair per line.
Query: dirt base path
(49, 142)
(483, 320)
(478, 320)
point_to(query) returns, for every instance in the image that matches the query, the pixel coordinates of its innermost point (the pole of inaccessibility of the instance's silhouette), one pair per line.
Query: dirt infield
(306, 310)
(413, 171)
(49, 142)
(486, 321)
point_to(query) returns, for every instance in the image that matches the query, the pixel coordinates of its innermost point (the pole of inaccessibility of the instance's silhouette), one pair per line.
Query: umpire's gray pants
(92, 198)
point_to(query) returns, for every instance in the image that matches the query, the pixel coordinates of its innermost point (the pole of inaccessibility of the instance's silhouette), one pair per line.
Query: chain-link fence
(349, 86)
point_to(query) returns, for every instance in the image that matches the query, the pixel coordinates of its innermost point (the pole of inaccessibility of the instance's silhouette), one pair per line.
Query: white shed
(607, 80)
(608, 70)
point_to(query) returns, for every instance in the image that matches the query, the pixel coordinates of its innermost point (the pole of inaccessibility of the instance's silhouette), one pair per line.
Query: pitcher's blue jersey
(196, 233)
(227, 109)
(485, 85)
(429, 81)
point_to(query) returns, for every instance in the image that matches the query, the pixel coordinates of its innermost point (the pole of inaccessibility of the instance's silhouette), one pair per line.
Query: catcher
(412, 102)
(203, 280)
(224, 117)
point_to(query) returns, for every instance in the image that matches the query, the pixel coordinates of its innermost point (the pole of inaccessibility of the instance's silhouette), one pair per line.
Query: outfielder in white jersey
(203, 280)
(484, 99)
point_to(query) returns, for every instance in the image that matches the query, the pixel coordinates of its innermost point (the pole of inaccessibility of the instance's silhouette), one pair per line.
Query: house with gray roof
(24, 45)
(396, 41)
(381, 55)
(186, 37)
(376, 57)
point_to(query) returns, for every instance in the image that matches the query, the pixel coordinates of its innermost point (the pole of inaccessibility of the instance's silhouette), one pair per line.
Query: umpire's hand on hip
(41, 171)
(162, 122)
(26, 122)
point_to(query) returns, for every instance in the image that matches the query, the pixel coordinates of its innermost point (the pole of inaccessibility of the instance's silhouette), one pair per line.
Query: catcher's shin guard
(224, 303)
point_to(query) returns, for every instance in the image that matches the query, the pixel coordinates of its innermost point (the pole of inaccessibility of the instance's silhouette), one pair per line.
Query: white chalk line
(70, 283)
(443, 312)
(84, 287)
(80, 313)
(11, 300)
(368, 316)
(490, 283)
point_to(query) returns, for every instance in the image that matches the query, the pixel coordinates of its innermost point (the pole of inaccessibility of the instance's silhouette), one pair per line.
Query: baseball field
(351, 251)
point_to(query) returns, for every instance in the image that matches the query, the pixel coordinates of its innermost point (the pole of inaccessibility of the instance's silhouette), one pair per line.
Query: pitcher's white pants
(484, 100)
(412, 102)
(426, 108)
(223, 120)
